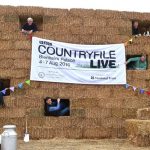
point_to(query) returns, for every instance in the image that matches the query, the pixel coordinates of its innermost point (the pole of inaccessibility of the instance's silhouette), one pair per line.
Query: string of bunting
(20, 85)
(12, 88)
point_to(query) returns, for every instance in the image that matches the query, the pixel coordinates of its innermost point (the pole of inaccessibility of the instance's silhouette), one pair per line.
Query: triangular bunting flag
(142, 91)
(126, 86)
(20, 85)
(134, 88)
(12, 88)
(148, 93)
(27, 82)
(4, 91)
(131, 40)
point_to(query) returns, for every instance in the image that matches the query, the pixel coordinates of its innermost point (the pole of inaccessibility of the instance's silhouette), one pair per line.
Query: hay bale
(119, 23)
(119, 133)
(6, 63)
(96, 132)
(6, 45)
(23, 63)
(12, 112)
(22, 45)
(82, 12)
(138, 132)
(97, 112)
(78, 112)
(143, 113)
(94, 22)
(55, 12)
(109, 14)
(116, 39)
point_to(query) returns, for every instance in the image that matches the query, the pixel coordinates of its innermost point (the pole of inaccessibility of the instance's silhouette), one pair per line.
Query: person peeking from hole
(56, 107)
(139, 63)
(29, 27)
(135, 29)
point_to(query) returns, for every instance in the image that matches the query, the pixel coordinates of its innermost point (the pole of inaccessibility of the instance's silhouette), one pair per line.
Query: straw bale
(143, 40)
(41, 133)
(11, 73)
(75, 133)
(105, 31)
(28, 11)
(109, 14)
(36, 121)
(22, 63)
(36, 112)
(118, 133)
(116, 39)
(96, 132)
(79, 30)
(55, 12)
(143, 113)
(97, 112)
(47, 85)
(84, 102)
(117, 23)
(9, 27)
(90, 21)
(92, 39)
(85, 122)
(67, 38)
(29, 102)
(6, 45)
(9, 101)
(7, 10)
(136, 102)
(124, 31)
(135, 49)
(52, 92)
(78, 113)
(23, 45)
(82, 12)
(112, 122)
(6, 63)
(57, 122)
(51, 20)
(110, 102)
(15, 54)
(138, 131)
(11, 18)
(12, 112)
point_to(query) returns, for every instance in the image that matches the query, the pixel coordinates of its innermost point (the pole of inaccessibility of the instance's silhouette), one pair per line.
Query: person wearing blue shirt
(56, 108)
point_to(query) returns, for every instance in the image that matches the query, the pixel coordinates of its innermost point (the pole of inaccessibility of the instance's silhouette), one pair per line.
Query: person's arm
(132, 59)
(55, 107)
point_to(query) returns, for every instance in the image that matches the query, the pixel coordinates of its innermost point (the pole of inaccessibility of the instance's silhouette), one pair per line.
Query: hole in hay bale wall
(38, 20)
(5, 83)
(144, 25)
(131, 64)
(62, 110)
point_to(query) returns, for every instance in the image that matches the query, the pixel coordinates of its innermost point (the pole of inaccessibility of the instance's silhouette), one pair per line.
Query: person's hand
(58, 100)
(30, 32)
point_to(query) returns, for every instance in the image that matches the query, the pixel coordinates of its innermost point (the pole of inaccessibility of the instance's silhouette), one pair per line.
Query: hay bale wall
(96, 111)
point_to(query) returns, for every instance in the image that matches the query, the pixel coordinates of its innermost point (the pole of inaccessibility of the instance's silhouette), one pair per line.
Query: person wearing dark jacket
(2, 104)
(29, 27)
(135, 28)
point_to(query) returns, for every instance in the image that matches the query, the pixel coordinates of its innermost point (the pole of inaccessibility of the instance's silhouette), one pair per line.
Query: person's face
(143, 58)
(30, 22)
(136, 24)
(49, 101)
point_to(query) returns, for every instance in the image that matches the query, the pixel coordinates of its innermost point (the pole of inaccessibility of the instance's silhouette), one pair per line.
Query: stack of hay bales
(97, 111)
(139, 129)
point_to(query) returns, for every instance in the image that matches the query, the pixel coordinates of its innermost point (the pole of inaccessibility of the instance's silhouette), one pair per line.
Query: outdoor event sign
(54, 61)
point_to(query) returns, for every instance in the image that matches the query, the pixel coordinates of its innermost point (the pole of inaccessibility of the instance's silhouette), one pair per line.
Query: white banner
(75, 63)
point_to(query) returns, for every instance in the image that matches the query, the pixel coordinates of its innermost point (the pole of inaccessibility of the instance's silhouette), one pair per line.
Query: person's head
(30, 21)
(48, 100)
(143, 58)
(135, 24)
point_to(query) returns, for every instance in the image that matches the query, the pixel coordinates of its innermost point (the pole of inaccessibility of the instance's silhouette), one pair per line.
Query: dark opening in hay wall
(38, 20)
(5, 83)
(129, 66)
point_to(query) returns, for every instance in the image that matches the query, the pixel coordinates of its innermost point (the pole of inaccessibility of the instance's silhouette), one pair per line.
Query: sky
(121, 5)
